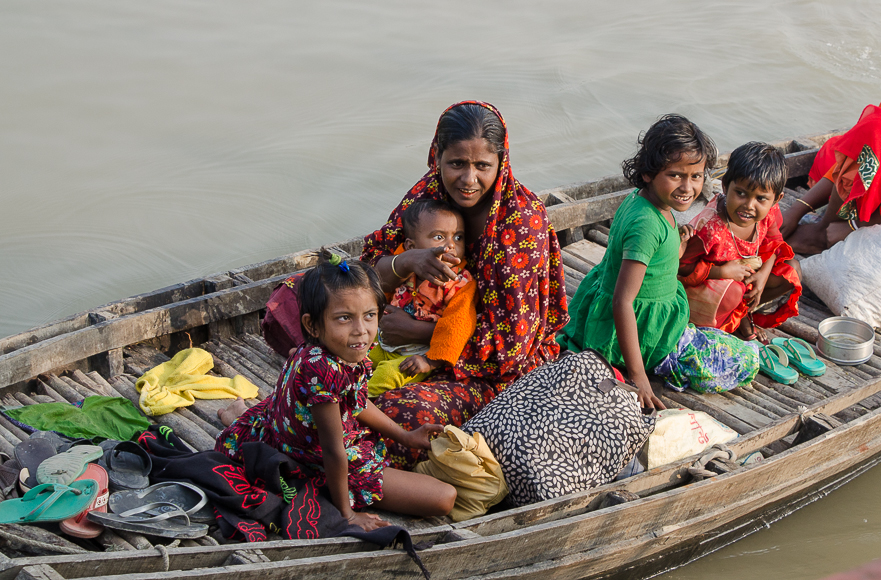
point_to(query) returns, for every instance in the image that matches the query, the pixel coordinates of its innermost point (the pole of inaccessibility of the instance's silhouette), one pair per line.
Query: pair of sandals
(784, 358)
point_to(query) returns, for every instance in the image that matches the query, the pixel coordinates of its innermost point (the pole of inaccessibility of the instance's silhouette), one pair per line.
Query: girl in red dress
(737, 259)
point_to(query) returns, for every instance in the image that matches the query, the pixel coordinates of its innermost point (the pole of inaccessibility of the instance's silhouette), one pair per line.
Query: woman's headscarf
(518, 268)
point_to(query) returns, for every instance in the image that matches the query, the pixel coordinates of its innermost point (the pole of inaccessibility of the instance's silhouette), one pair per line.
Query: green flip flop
(65, 467)
(774, 363)
(801, 356)
(49, 502)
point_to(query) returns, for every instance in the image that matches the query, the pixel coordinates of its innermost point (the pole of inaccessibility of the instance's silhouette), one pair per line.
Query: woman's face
(468, 170)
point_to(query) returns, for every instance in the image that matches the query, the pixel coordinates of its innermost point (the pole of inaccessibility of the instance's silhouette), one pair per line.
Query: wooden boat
(670, 519)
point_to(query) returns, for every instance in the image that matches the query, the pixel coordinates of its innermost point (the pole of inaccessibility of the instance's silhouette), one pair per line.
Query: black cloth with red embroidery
(249, 500)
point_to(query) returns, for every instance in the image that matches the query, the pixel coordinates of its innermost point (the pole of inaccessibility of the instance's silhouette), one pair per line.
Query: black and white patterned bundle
(563, 428)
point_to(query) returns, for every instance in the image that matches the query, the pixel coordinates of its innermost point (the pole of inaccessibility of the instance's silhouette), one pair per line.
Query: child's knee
(795, 266)
(446, 499)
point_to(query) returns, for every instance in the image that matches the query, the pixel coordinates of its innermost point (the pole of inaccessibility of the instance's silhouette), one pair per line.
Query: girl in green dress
(631, 307)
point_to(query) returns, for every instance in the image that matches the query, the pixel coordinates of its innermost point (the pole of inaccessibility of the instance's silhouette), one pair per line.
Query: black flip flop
(127, 464)
(170, 524)
(30, 453)
(165, 497)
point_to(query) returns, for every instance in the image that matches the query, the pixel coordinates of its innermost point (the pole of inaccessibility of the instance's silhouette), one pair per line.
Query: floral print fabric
(709, 361)
(313, 376)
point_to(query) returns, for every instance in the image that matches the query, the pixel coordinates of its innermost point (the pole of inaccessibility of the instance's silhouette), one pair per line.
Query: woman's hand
(734, 270)
(367, 522)
(432, 264)
(398, 328)
(421, 438)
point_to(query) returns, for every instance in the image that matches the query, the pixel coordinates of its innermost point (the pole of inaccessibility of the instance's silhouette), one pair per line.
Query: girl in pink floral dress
(319, 413)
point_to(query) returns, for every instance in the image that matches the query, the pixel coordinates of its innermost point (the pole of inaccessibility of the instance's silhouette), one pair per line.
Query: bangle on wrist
(351, 517)
(810, 207)
(395, 272)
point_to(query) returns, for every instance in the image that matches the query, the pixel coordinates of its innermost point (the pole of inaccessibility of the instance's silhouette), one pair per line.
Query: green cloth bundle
(106, 417)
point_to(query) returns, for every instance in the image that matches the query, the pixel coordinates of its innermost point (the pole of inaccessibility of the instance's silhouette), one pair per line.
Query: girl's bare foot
(747, 331)
(232, 412)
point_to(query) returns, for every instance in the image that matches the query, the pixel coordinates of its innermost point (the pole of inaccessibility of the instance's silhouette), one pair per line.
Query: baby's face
(439, 229)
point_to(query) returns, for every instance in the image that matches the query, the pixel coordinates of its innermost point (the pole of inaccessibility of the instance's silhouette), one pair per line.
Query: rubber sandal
(10, 471)
(52, 437)
(168, 495)
(127, 464)
(801, 356)
(158, 525)
(773, 363)
(79, 526)
(49, 502)
(65, 467)
(30, 453)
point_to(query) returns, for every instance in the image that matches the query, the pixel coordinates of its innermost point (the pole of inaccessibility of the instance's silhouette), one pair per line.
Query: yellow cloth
(466, 463)
(387, 373)
(182, 380)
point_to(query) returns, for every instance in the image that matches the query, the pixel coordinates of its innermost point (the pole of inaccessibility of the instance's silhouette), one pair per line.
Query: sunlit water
(144, 144)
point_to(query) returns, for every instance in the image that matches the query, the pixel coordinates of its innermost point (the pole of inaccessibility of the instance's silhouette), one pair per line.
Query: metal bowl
(846, 341)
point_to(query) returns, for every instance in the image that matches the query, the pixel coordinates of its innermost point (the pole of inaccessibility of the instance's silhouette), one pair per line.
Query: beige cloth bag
(466, 463)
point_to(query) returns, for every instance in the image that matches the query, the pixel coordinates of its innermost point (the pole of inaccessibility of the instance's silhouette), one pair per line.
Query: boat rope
(698, 469)
(163, 551)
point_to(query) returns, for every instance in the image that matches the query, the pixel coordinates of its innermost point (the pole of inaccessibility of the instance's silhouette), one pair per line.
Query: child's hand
(646, 396)
(367, 522)
(753, 297)
(421, 438)
(417, 363)
(735, 270)
(685, 234)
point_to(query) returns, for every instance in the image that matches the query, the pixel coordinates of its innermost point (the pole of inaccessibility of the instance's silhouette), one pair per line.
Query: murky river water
(144, 144)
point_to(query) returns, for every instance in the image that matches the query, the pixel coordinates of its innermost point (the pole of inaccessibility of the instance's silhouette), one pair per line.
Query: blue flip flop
(801, 356)
(774, 363)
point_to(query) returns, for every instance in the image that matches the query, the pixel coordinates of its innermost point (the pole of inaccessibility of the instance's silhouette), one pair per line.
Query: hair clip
(336, 260)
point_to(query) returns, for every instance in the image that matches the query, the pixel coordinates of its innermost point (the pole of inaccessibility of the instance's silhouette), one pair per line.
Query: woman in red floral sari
(512, 252)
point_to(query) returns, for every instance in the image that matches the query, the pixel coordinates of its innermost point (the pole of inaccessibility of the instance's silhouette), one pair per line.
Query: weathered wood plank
(586, 251)
(62, 350)
(697, 403)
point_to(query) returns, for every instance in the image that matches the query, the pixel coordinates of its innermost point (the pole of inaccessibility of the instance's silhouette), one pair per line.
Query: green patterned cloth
(710, 361)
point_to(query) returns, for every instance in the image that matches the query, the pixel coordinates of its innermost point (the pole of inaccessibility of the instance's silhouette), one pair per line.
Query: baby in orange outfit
(429, 224)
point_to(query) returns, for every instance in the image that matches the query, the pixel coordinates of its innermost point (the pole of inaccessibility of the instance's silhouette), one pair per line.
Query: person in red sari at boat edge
(844, 174)
(513, 253)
